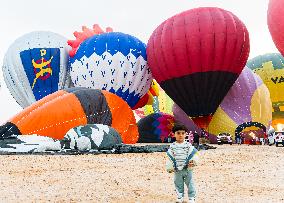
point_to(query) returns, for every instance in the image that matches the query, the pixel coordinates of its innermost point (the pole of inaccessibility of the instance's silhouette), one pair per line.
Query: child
(182, 158)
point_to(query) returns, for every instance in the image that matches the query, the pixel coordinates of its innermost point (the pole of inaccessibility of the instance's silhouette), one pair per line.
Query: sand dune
(226, 174)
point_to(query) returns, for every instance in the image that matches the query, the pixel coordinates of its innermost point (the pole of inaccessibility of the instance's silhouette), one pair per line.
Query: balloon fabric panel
(42, 67)
(123, 119)
(201, 103)
(47, 120)
(259, 109)
(98, 105)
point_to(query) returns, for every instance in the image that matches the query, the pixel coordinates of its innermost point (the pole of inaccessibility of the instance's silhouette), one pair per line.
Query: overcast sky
(138, 18)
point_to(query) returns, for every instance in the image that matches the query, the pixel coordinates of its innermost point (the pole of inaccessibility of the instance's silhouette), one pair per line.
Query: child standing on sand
(182, 157)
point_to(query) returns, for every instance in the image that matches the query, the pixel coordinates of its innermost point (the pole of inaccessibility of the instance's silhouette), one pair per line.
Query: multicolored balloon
(57, 113)
(35, 66)
(270, 68)
(115, 62)
(155, 128)
(196, 56)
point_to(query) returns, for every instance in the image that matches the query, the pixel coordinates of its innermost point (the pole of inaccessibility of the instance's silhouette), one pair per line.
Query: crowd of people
(194, 137)
(191, 137)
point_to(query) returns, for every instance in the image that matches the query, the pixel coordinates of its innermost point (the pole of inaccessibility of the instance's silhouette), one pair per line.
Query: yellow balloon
(270, 67)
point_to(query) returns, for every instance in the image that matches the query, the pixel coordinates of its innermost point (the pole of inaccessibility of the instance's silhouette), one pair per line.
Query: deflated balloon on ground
(57, 113)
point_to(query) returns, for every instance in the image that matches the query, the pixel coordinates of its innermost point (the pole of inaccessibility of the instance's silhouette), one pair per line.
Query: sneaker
(179, 200)
(191, 200)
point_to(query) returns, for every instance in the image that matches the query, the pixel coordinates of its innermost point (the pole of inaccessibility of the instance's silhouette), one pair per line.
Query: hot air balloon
(155, 128)
(56, 113)
(115, 62)
(270, 68)
(275, 23)
(35, 66)
(196, 56)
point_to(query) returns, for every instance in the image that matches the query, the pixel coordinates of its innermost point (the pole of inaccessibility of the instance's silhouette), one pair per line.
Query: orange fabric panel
(36, 105)
(123, 119)
(47, 119)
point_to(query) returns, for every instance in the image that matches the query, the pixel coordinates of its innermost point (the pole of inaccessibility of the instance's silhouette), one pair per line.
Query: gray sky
(138, 18)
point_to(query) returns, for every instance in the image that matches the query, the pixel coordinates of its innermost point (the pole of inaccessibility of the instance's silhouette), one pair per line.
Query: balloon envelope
(155, 128)
(197, 55)
(115, 62)
(275, 23)
(270, 68)
(56, 113)
(35, 66)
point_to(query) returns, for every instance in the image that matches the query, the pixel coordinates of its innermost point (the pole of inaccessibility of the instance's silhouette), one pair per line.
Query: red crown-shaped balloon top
(85, 34)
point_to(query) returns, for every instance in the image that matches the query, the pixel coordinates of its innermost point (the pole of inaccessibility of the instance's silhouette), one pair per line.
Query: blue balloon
(115, 62)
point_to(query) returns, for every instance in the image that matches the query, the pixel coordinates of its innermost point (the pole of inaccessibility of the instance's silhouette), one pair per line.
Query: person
(202, 133)
(238, 138)
(190, 137)
(256, 140)
(196, 139)
(186, 137)
(261, 140)
(182, 157)
(242, 138)
(169, 138)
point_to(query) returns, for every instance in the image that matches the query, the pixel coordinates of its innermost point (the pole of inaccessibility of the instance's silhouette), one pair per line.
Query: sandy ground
(226, 174)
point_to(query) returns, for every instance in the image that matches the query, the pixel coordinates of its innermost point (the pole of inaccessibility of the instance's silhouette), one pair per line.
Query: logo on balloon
(42, 68)
(39, 65)
(277, 80)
